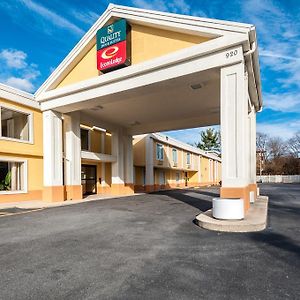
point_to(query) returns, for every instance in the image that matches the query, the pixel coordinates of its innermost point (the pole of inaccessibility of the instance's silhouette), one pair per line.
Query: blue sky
(37, 35)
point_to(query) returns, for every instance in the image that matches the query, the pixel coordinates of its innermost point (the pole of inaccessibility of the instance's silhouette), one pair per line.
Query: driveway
(147, 247)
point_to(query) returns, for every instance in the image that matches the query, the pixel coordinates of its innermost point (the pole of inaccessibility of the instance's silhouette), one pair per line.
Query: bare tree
(293, 145)
(273, 155)
(261, 144)
(276, 147)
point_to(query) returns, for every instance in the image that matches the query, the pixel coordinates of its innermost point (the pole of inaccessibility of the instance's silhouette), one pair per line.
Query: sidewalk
(38, 204)
(255, 219)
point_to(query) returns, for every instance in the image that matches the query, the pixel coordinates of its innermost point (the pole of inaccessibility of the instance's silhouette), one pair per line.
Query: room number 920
(231, 53)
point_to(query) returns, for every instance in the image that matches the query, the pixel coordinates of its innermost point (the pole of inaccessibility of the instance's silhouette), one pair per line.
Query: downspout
(249, 64)
(252, 64)
(252, 49)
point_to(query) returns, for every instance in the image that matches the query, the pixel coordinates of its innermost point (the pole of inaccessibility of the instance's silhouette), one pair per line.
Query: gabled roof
(175, 22)
(18, 96)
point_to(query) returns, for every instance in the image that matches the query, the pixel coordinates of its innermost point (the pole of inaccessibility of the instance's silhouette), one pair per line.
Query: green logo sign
(111, 34)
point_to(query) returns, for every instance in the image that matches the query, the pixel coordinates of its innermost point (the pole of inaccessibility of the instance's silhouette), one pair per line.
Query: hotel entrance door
(89, 179)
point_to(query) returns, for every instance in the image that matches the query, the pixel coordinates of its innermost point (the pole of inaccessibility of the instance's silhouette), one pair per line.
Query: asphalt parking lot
(147, 247)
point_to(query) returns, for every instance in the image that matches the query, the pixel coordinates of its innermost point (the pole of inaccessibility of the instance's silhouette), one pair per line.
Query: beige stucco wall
(30, 152)
(147, 43)
(139, 152)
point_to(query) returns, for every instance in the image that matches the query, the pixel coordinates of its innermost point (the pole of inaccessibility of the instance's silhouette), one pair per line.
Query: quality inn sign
(113, 46)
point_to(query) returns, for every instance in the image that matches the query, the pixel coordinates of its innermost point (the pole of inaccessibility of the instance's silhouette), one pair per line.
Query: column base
(54, 193)
(122, 189)
(236, 193)
(149, 188)
(73, 192)
(106, 190)
(253, 188)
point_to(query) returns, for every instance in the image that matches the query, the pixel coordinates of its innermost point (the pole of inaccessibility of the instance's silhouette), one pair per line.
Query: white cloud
(14, 58)
(174, 6)
(284, 130)
(20, 83)
(285, 102)
(88, 17)
(52, 17)
(16, 71)
(272, 54)
(278, 36)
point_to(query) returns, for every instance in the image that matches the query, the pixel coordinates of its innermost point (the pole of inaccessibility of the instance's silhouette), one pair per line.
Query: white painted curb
(228, 209)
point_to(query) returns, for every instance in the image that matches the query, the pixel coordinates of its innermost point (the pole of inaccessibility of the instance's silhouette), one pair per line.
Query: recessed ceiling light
(135, 123)
(99, 128)
(196, 86)
(98, 107)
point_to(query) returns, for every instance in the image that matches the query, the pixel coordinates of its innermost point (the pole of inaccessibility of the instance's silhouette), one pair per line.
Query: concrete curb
(255, 220)
(37, 204)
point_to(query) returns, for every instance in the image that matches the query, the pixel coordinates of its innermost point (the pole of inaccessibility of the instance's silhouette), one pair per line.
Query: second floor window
(85, 139)
(14, 124)
(174, 155)
(188, 158)
(159, 152)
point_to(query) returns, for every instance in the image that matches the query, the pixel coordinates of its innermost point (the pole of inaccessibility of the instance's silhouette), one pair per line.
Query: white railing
(279, 178)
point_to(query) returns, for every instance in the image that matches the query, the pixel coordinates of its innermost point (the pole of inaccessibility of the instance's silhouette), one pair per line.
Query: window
(159, 152)
(188, 158)
(85, 139)
(177, 177)
(12, 176)
(15, 124)
(174, 155)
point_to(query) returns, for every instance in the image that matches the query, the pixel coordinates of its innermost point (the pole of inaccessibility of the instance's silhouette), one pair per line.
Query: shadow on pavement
(276, 240)
(200, 202)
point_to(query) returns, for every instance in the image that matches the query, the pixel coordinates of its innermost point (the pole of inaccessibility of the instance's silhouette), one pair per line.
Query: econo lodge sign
(113, 46)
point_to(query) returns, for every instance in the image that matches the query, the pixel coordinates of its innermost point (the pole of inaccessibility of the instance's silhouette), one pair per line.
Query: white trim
(178, 59)
(162, 147)
(188, 154)
(83, 127)
(30, 125)
(25, 170)
(188, 24)
(173, 142)
(18, 96)
(88, 155)
(176, 151)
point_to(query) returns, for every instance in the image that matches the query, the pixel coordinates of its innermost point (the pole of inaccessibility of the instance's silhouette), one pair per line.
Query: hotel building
(136, 72)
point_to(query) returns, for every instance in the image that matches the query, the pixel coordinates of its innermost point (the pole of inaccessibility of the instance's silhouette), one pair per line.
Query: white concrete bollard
(252, 200)
(228, 209)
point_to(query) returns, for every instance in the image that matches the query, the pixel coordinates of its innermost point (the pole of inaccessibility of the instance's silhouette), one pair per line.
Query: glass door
(89, 179)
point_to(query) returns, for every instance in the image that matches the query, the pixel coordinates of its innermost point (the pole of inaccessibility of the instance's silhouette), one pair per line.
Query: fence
(279, 178)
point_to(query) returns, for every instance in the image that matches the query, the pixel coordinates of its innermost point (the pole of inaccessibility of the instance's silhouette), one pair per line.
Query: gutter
(252, 64)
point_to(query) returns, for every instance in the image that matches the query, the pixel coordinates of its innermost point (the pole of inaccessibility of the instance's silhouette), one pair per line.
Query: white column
(149, 161)
(234, 133)
(72, 143)
(235, 144)
(117, 168)
(103, 182)
(52, 143)
(128, 159)
(199, 168)
(252, 120)
(216, 171)
(252, 154)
